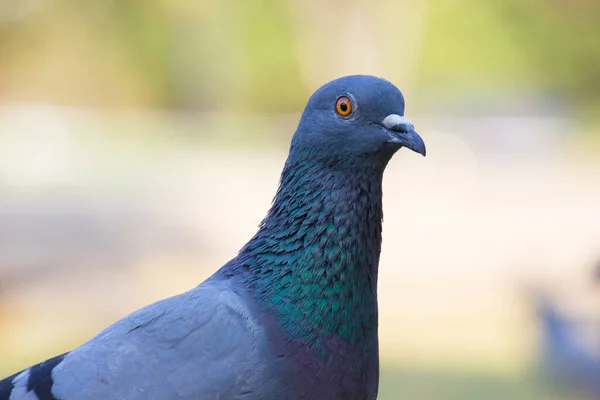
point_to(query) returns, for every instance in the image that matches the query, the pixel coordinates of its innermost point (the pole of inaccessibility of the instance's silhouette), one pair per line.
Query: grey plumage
(202, 344)
(294, 314)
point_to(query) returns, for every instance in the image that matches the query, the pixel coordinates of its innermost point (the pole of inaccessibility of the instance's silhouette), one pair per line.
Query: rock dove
(294, 314)
(564, 355)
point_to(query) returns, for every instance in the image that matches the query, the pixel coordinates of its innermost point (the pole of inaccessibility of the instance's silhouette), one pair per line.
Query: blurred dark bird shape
(565, 357)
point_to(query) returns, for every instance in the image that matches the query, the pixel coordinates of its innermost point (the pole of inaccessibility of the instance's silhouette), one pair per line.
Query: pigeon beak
(402, 132)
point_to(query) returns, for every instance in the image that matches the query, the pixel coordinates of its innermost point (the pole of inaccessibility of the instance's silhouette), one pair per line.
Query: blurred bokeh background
(141, 142)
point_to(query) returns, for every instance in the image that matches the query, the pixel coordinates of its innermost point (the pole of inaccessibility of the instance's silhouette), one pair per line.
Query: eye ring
(343, 106)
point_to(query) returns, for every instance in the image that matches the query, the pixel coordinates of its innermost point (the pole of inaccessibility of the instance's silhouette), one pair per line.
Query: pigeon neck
(315, 258)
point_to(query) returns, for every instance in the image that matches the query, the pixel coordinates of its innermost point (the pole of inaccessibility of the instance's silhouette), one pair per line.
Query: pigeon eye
(343, 106)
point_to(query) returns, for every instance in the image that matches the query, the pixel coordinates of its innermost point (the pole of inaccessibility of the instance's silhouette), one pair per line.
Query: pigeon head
(355, 118)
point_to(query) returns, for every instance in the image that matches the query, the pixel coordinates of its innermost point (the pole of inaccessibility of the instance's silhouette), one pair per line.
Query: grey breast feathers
(202, 344)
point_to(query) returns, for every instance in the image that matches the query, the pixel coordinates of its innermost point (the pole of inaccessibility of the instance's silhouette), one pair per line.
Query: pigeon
(568, 357)
(294, 315)
(564, 355)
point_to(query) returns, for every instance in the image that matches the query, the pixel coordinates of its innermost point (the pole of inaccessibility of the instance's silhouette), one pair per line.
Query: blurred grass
(435, 383)
(397, 383)
(422, 384)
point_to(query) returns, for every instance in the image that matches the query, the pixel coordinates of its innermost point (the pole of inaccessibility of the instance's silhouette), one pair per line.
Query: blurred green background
(141, 143)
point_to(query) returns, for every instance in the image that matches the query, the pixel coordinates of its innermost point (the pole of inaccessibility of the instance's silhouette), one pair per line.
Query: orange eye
(343, 106)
